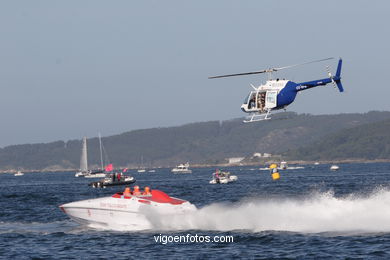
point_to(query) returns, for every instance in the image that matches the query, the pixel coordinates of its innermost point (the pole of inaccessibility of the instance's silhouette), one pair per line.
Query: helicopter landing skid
(256, 117)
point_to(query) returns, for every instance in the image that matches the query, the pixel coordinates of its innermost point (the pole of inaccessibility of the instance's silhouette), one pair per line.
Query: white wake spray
(320, 212)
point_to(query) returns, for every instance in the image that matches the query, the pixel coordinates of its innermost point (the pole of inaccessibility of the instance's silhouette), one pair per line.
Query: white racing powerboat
(222, 177)
(125, 210)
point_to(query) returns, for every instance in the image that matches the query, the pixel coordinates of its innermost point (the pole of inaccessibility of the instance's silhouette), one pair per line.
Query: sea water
(308, 213)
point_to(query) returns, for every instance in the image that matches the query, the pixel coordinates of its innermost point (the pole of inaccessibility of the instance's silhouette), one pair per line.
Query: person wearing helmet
(146, 191)
(127, 192)
(136, 191)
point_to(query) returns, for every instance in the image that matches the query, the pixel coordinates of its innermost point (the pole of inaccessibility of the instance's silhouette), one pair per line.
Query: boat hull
(107, 218)
(95, 175)
(125, 213)
(79, 174)
(106, 183)
(224, 180)
(178, 172)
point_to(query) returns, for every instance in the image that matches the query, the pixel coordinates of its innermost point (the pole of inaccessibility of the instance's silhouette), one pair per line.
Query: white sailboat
(83, 160)
(98, 173)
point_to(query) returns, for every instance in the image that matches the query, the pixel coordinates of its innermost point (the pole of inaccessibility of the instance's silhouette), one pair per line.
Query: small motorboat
(126, 210)
(19, 173)
(220, 177)
(113, 179)
(334, 167)
(283, 165)
(182, 168)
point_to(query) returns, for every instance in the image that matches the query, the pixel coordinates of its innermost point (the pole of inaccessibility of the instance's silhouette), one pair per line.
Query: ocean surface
(310, 213)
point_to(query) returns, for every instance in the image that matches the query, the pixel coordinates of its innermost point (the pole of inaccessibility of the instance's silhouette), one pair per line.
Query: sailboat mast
(101, 151)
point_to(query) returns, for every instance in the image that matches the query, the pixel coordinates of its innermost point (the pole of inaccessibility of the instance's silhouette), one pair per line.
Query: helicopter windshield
(251, 100)
(247, 99)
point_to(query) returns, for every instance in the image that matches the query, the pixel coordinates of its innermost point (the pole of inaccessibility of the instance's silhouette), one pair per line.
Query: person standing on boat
(217, 176)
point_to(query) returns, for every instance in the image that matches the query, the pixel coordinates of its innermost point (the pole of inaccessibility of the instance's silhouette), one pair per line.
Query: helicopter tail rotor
(336, 80)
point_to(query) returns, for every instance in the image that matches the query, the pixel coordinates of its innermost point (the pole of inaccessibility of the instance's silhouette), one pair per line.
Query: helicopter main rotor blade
(267, 70)
(290, 66)
(239, 74)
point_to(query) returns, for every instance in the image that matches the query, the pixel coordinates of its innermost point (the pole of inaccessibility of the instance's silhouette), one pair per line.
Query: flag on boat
(125, 170)
(109, 168)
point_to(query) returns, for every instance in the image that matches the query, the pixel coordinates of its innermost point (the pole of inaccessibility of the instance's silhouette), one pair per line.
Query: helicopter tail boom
(336, 80)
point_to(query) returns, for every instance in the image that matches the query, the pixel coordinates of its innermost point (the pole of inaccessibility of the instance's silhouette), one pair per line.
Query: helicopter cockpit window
(246, 100)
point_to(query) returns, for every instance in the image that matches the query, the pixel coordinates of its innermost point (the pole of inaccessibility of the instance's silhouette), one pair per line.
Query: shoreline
(291, 162)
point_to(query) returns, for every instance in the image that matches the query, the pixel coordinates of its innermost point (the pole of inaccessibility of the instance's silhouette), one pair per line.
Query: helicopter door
(271, 99)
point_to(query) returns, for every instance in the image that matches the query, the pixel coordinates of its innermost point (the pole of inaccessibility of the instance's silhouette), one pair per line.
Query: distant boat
(221, 177)
(152, 170)
(95, 174)
(141, 170)
(182, 168)
(84, 172)
(283, 165)
(113, 179)
(19, 173)
(334, 167)
(316, 163)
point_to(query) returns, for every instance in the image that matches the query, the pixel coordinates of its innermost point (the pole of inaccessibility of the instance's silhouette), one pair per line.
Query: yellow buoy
(275, 176)
(273, 166)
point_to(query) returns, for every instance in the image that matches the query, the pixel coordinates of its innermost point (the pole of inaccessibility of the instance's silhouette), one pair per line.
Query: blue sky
(74, 68)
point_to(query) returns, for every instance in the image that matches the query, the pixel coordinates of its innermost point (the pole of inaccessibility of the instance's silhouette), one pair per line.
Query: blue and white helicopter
(277, 94)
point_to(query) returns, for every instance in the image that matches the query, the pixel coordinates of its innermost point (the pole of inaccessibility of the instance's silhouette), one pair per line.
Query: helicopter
(278, 93)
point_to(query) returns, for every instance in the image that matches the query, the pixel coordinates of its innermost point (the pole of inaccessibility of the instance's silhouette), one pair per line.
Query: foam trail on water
(319, 212)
